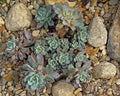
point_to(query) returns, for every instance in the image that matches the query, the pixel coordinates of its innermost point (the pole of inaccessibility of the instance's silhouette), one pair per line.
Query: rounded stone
(62, 88)
(104, 70)
(18, 17)
(97, 32)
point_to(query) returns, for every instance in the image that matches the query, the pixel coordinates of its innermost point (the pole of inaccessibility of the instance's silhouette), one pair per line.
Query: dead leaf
(12, 75)
(2, 28)
(62, 32)
(97, 12)
(90, 51)
(9, 77)
(80, 9)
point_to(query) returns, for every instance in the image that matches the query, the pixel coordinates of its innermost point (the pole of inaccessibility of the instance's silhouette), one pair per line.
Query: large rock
(1, 21)
(104, 70)
(18, 17)
(62, 88)
(97, 32)
(113, 46)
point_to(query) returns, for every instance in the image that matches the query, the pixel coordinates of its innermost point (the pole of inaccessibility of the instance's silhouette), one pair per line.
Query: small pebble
(77, 91)
(109, 92)
(118, 82)
(35, 33)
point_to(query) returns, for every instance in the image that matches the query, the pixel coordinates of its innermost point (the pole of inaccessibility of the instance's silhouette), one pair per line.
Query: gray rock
(62, 88)
(113, 46)
(1, 21)
(97, 32)
(18, 17)
(104, 70)
(113, 2)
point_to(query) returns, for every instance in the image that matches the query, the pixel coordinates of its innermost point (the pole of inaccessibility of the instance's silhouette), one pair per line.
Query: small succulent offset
(69, 16)
(53, 42)
(80, 57)
(64, 58)
(64, 44)
(45, 16)
(39, 47)
(34, 81)
(11, 44)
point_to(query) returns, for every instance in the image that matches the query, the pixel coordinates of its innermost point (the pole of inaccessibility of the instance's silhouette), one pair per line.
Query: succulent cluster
(11, 44)
(45, 60)
(45, 16)
(69, 16)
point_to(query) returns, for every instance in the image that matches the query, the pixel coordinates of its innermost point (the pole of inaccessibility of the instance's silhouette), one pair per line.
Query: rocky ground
(102, 48)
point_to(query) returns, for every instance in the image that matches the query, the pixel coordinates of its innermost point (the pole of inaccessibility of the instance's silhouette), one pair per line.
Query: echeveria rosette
(52, 64)
(34, 81)
(82, 77)
(64, 44)
(82, 33)
(53, 43)
(64, 58)
(45, 16)
(69, 16)
(11, 44)
(40, 47)
(80, 57)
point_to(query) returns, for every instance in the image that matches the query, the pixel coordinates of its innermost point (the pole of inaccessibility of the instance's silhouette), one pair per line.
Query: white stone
(118, 82)
(104, 70)
(18, 17)
(97, 32)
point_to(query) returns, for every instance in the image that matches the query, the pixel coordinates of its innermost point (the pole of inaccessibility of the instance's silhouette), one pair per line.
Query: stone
(97, 32)
(1, 21)
(104, 70)
(113, 2)
(79, 94)
(113, 46)
(18, 17)
(62, 88)
(35, 33)
(118, 81)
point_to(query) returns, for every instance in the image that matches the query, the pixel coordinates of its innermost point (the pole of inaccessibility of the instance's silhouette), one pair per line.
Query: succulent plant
(52, 64)
(82, 77)
(64, 58)
(46, 59)
(80, 57)
(82, 33)
(53, 42)
(64, 44)
(69, 16)
(34, 81)
(45, 16)
(40, 47)
(11, 44)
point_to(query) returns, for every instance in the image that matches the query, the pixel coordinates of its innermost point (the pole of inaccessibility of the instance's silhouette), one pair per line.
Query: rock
(18, 17)
(113, 2)
(118, 81)
(77, 91)
(35, 33)
(62, 88)
(113, 46)
(104, 70)
(97, 32)
(79, 94)
(1, 21)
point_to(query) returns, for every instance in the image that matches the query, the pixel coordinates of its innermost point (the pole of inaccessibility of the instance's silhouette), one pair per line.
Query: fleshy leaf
(32, 61)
